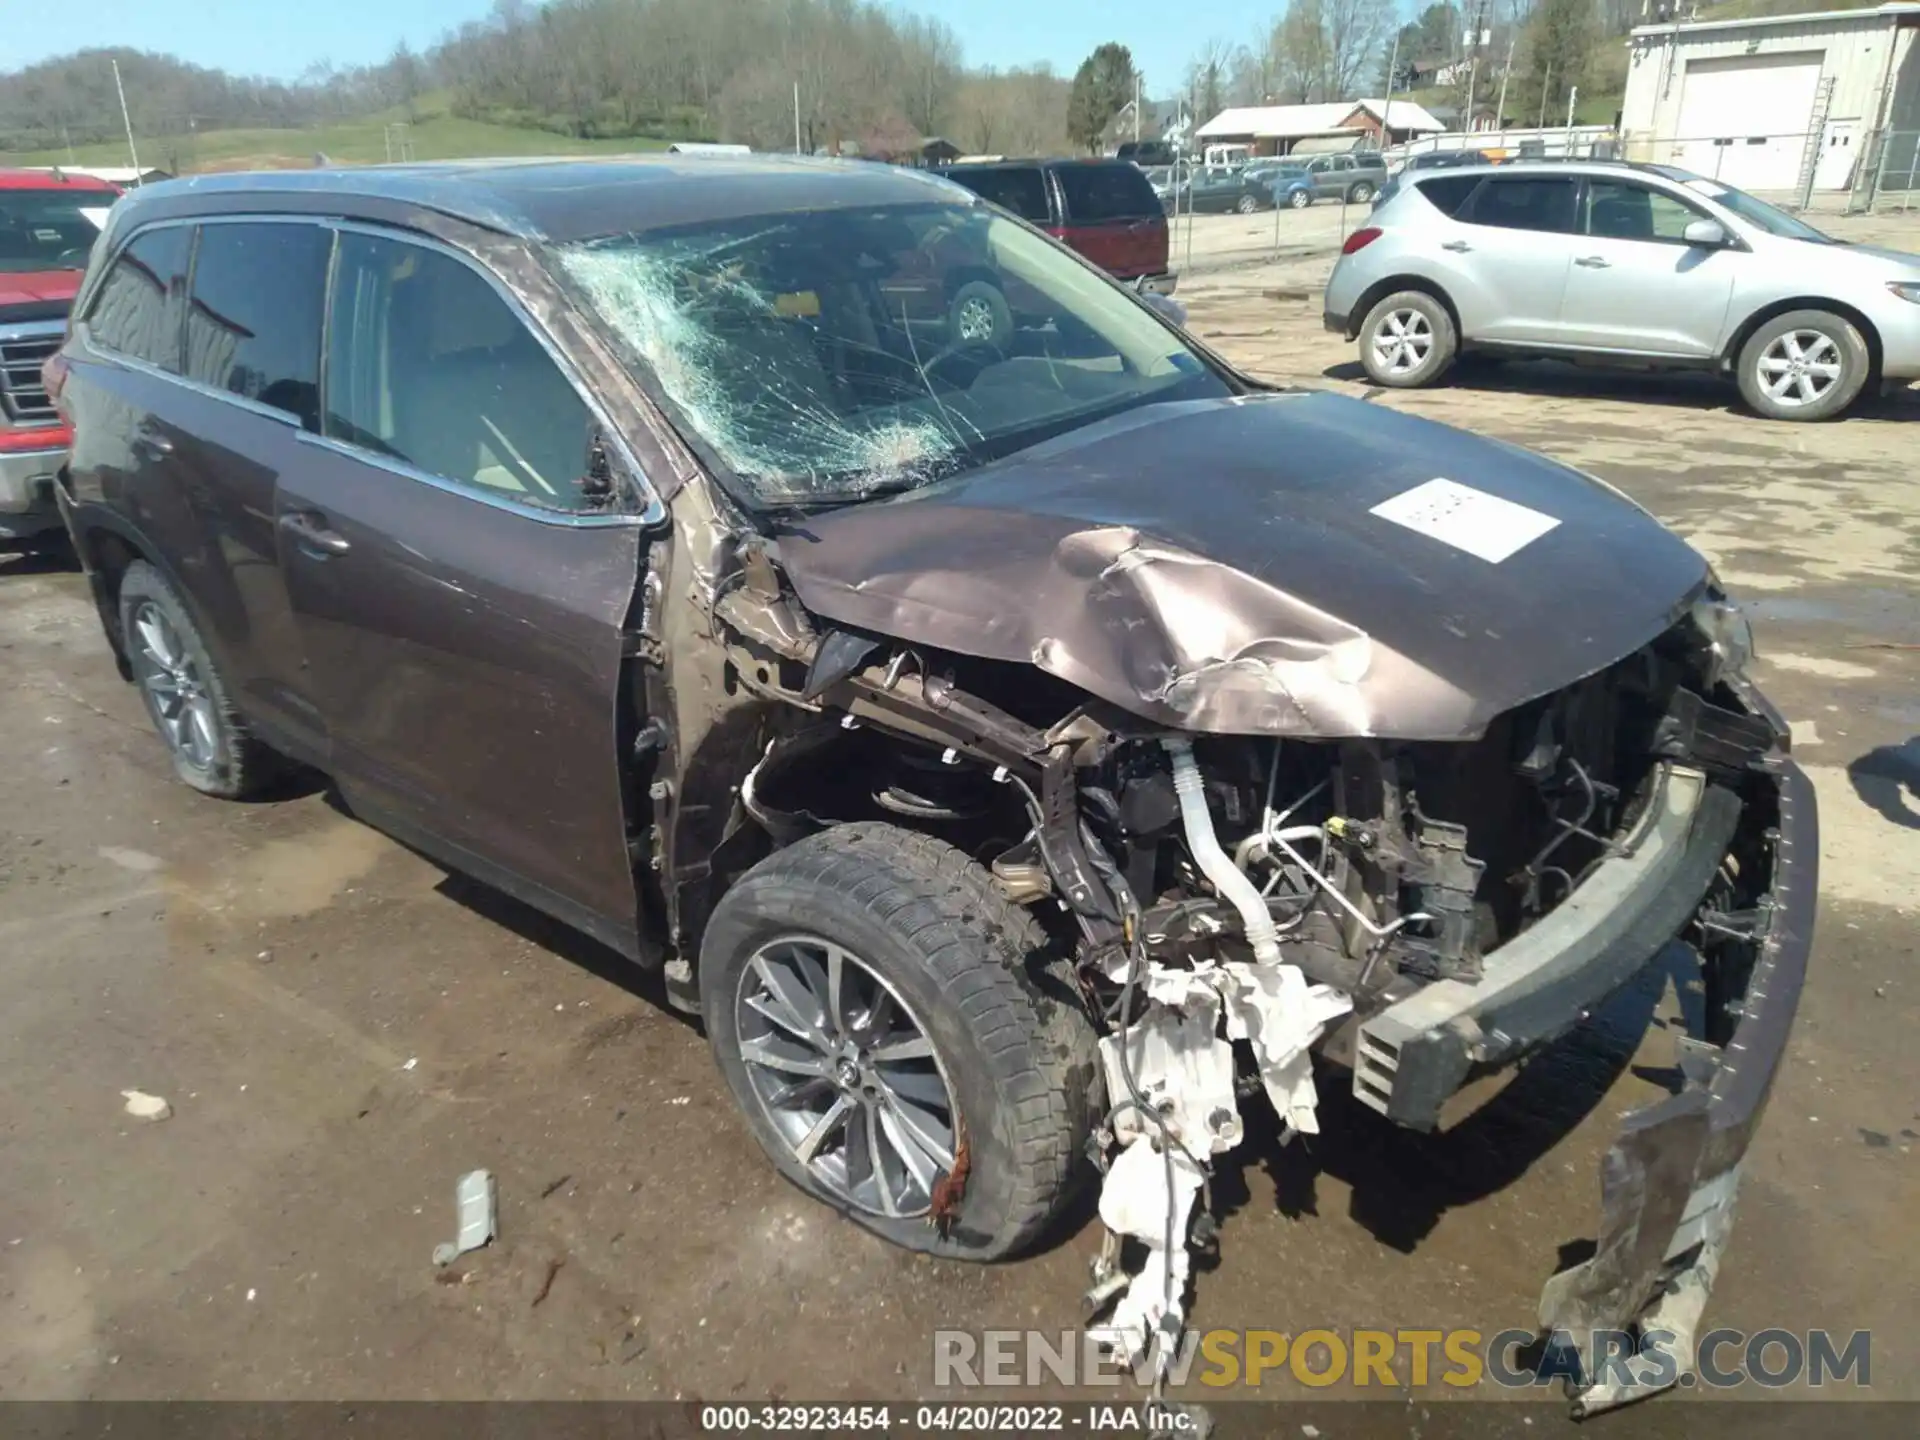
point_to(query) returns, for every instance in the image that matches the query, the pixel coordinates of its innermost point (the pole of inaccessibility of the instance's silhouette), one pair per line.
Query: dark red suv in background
(1105, 209)
(48, 222)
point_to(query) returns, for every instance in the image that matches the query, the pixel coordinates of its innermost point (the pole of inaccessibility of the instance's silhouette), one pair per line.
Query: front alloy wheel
(905, 1042)
(1804, 365)
(843, 1070)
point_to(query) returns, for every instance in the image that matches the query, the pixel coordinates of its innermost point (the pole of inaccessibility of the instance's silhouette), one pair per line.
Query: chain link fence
(1889, 181)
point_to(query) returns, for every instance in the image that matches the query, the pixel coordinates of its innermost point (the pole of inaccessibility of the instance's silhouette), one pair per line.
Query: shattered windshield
(829, 356)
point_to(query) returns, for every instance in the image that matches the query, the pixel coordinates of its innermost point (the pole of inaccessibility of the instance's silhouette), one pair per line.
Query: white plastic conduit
(1233, 886)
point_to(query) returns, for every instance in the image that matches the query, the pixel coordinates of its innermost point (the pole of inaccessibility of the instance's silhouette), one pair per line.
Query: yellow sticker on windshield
(797, 304)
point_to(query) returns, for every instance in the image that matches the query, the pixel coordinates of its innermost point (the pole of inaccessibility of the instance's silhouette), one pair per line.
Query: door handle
(1459, 247)
(152, 445)
(1594, 262)
(310, 533)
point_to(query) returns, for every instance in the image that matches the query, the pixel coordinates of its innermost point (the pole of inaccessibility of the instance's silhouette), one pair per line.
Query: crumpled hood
(1216, 566)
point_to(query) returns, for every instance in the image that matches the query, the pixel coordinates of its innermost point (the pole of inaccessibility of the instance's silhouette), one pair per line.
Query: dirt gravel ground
(341, 1028)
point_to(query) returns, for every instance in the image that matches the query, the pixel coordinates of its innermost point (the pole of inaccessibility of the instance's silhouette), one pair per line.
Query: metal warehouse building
(1779, 101)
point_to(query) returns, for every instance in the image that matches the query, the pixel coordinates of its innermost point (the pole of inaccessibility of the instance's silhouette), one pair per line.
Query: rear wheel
(1300, 199)
(1407, 340)
(1804, 365)
(1248, 204)
(887, 1021)
(1361, 193)
(185, 696)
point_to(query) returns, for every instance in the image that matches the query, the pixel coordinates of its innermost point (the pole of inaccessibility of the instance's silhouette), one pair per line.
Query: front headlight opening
(1728, 634)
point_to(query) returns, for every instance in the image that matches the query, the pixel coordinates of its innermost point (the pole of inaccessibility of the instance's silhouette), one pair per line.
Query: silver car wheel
(1799, 368)
(845, 1072)
(975, 321)
(175, 691)
(1402, 342)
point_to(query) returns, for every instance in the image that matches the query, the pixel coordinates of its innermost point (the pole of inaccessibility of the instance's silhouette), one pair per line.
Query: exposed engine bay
(1236, 906)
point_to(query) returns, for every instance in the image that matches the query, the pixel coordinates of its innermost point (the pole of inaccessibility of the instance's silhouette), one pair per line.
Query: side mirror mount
(1706, 234)
(596, 484)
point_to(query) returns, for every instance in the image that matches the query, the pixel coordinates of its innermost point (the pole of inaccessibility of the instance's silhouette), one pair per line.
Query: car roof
(51, 180)
(556, 200)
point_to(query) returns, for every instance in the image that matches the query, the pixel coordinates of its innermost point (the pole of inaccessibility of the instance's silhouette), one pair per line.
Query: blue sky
(233, 35)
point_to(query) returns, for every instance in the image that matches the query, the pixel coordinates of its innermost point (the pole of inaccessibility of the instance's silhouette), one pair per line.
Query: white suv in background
(1641, 264)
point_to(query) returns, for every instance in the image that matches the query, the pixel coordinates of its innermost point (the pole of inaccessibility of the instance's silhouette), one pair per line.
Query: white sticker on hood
(1466, 518)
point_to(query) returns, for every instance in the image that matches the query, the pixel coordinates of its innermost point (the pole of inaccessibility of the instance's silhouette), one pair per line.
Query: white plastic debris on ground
(1181, 1059)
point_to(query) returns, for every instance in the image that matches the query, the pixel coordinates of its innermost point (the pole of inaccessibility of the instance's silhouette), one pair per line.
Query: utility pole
(1473, 63)
(1572, 95)
(1500, 119)
(127, 120)
(1546, 80)
(1386, 120)
(1136, 108)
(796, 117)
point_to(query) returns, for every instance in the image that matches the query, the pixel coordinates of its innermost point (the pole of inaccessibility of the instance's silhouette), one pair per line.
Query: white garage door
(1744, 119)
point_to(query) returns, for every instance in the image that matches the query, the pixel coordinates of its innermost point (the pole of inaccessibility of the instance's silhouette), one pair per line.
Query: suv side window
(253, 327)
(1622, 210)
(1542, 202)
(1019, 188)
(137, 312)
(427, 364)
(1449, 193)
(1107, 192)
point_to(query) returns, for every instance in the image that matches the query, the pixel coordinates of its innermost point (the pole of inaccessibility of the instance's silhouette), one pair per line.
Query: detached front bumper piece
(1667, 1186)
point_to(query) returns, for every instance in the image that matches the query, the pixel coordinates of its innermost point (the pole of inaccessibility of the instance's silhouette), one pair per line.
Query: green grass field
(435, 135)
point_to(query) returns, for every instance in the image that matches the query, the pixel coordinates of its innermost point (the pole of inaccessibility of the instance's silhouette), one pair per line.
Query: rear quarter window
(1020, 189)
(137, 312)
(1448, 193)
(1105, 192)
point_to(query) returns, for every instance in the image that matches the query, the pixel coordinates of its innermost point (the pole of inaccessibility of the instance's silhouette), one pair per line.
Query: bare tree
(1209, 78)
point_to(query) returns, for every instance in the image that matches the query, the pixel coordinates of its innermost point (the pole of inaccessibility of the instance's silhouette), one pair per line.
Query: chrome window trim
(652, 511)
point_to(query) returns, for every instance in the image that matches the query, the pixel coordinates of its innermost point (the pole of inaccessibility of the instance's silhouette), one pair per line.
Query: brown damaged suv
(1020, 749)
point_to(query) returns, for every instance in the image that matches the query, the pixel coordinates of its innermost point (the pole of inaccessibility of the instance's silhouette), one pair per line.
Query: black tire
(1248, 204)
(1441, 343)
(1300, 199)
(1008, 1032)
(976, 304)
(1361, 193)
(1816, 335)
(237, 765)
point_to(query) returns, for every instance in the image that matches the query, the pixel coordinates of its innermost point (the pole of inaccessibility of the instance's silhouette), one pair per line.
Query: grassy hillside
(435, 135)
